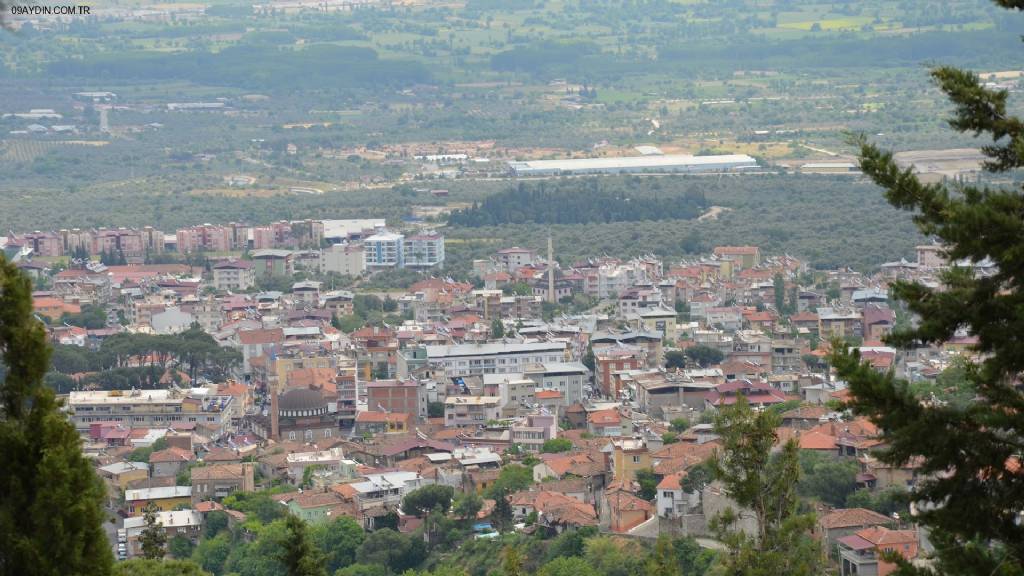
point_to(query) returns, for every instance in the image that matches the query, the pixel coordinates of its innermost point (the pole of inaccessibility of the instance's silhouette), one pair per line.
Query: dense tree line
(578, 202)
(124, 359)
(257, 66)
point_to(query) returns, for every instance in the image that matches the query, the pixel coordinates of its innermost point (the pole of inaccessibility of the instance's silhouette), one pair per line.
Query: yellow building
(166, 498)
(628, 456)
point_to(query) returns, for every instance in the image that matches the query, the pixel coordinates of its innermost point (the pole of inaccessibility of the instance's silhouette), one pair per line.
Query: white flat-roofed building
(185, 523)
(384, 250)
(346, 259)
(383, 492)
(234, 275)
(424, 250)
(471, 410)
(494, 357)
(635, 164)
(149, 408)
(336, 231)
(569, 378)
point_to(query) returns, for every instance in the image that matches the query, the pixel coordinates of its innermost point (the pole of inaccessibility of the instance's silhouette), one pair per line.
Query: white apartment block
(235, 275)
(344, 259)
(569, 378)
(384, 250)
(149, 408)
(494, 357)
(424, 250)
(462, 411)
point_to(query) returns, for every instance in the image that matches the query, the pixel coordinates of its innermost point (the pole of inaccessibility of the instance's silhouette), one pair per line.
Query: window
(327, 433)
(666, 494)
(291, 435)
(636, 459)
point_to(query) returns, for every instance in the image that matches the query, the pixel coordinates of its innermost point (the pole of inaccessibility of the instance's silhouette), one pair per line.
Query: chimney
(274, 425)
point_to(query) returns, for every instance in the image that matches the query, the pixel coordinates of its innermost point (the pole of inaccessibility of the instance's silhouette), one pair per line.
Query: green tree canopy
(512, 478)
(556, 445)
(704, 356)
(394, 550)
(298, 554)
(153, 537)
(422, 500)
(567, 566)
(766, 486)
(51, 512)
(339, 540)
(970, 496)
(467, 505)
(144, 567)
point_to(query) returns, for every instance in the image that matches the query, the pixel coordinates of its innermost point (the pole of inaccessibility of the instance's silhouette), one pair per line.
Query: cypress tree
(971, 492)
(51, 509)
(153, 536)
(299, 556)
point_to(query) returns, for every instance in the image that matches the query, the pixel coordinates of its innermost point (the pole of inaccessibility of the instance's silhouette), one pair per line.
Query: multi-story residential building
(462, 411)
(42, 243)
(861, 552)
(607, 422)
(533, 430)
(163, 497)
(410, 361)
(149, 408)
(205, 238)
(338, 302)
(405, 396)
(612, 359)
(512, 259)
(635, 300)
(742, 256)
(384, 250)
(332, 460)
(628, 456)
(235, 275)
(255, 343)
(673, 500)
(786, 356)
(568, 378)
(381, 493)
(306, 294)
(516, 392)
(371, 423)
(839, 323)
(345, 259)
(424, 250)
(216, 481)
(660, 320)
(493, 357)
(185, 523)
(273, 263)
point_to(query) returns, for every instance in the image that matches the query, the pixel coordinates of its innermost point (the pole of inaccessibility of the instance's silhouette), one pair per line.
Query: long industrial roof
(633, 162)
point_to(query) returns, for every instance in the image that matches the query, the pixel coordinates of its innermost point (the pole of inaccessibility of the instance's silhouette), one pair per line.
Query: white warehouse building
(635, 164)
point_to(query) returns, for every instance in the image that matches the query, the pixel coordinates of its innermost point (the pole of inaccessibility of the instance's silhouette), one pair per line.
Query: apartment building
(345, 259)
(234, 275)
(462, 411)
(568, 378)
(149, 408)
(384, 250)
(424, 250)
(493, 357)
(404, 396)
